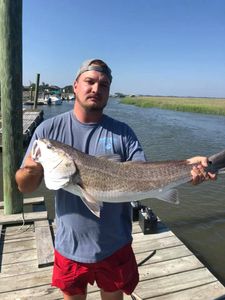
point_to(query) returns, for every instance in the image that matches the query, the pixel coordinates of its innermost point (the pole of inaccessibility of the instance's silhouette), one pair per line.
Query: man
(88, 248)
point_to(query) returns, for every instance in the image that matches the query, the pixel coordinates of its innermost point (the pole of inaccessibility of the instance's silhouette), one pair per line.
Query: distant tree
(32, 86)
(120, 95)
(26, 88)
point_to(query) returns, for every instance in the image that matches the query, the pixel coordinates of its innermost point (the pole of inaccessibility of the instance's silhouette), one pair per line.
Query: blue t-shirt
(80, 235)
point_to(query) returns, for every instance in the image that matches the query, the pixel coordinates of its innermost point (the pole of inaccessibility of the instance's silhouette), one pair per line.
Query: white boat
(71, 97)
(53, 99)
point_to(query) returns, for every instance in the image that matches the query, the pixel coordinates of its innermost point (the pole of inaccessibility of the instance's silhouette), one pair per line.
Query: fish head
(58, 166)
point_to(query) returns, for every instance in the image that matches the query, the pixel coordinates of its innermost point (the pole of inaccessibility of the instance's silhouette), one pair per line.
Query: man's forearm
(26, 181)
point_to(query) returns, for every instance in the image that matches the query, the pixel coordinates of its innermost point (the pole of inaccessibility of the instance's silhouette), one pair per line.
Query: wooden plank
(164, 254)
(45, 249)
(12, 229)
(27, 201)
(21, 239)
(24, 281)
(31, 119)
(45, 292)
(210, 291)
(168, 242)
(28, 217)
(166, 268)
(149, 289)
(138, 237)
(18, 269)
(96, 296)
(16, 246)
(27, 281)
(33, 200)
(136, 228)
(18, 232)
(19, 257)
(93, 288)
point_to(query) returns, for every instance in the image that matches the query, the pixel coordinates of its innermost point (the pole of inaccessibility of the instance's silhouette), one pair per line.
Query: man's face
(92, 90)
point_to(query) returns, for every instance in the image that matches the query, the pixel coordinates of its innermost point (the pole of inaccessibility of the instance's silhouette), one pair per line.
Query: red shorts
(117, 272)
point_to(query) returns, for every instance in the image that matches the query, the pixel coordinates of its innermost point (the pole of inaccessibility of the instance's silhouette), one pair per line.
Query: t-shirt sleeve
(134, 149)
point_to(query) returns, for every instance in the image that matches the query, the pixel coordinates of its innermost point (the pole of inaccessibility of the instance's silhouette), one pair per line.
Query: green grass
(195, 105)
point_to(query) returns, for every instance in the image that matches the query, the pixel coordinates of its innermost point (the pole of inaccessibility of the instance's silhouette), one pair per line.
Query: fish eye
(49, 146)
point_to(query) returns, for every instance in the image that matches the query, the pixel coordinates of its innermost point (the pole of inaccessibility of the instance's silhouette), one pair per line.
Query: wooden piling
(11, 100)
(36, 91)
(31, 94)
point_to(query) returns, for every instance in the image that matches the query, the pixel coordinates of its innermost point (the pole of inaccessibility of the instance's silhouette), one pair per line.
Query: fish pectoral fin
(170, 196)
(92, 204)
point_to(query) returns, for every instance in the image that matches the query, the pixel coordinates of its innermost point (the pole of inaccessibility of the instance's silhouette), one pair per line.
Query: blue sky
(158, 47)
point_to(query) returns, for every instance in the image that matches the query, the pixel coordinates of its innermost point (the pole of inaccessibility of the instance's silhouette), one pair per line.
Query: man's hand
(29, 177)
(198, 172)
(32, 167)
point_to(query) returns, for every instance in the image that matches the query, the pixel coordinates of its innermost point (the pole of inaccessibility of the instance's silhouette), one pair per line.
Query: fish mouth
(35, 151)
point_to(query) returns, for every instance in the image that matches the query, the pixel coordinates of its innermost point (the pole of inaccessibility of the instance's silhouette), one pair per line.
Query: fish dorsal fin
(112, 157)
(170, 196)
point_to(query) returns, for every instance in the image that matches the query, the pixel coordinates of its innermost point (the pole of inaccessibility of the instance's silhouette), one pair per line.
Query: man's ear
(75, 86)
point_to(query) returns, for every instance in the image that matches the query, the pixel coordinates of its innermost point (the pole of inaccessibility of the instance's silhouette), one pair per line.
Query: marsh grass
(195, 105)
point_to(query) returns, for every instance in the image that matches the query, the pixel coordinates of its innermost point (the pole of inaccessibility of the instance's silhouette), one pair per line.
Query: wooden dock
(26, 257)
(31, 119)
